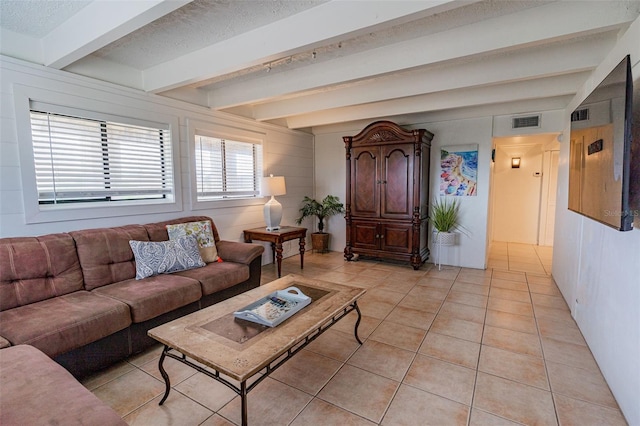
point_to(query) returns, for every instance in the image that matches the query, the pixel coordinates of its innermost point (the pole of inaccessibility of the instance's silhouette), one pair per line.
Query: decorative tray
(271, 310)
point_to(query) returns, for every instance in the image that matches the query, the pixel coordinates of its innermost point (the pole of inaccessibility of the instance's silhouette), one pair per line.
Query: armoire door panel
(396, 238)
(365, 235)
(365, 186)
(397, 182)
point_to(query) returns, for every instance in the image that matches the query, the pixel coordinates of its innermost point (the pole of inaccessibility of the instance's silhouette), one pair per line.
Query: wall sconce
(515, 162)
(271, 186)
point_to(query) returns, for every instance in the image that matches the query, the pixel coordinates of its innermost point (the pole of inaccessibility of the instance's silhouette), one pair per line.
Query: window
(226, 169)
(88, 160)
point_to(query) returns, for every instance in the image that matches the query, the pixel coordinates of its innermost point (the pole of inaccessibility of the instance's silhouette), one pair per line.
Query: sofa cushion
(218, 276)
(105, 255)
(153, 296)
(37, 268)
(202, 232)
(163, 257)
(63, 323)
(158, 230)
(38, 391)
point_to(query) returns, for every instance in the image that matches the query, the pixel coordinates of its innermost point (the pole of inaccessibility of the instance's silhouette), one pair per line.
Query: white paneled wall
(286, 152)
(597, 267)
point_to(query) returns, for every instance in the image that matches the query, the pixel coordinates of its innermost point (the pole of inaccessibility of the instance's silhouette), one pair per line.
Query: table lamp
(273, 185)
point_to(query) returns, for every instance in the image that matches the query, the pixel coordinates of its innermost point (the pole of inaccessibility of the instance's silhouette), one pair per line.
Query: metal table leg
(355, 331)
(243, 402)
(164, 374)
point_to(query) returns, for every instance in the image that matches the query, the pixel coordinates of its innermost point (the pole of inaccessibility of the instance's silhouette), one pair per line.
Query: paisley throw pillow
(163, 257)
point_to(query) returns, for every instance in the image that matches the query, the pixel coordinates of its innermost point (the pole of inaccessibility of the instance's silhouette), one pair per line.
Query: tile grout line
(415, 355)
(484, 322)
(544, 358)
(421, 343)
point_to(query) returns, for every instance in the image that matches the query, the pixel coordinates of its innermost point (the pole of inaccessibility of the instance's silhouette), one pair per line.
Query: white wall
(471, 247)
(286, 152)
(517, 193)
(520, 196)
(597, 268)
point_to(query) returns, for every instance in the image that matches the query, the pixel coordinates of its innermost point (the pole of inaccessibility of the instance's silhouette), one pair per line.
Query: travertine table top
(240, 349)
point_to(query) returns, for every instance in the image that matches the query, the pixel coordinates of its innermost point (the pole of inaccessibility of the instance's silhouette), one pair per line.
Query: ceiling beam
(20, 46)
(485, 95)
(98, 24)
(311, 28)
(461, 42)
(463, 113)
(521, 65)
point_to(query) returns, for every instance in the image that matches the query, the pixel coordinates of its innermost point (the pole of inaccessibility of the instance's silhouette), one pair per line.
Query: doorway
(523, 194)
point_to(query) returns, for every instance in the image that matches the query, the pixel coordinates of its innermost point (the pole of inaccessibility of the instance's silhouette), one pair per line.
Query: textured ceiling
(37, 18)
(305, 63)
(472, 13)
(196, 25)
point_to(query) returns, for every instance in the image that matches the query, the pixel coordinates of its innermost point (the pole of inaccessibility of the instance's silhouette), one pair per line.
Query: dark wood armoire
(387, 194)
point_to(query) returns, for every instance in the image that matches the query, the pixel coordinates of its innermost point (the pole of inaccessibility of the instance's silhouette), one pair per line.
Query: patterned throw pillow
(203, 233)
(163, 257)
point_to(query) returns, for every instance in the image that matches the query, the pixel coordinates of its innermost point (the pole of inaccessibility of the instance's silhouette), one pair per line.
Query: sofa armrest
(231, 251)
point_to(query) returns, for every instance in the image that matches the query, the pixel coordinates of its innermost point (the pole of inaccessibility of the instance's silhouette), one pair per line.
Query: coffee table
(215, 343)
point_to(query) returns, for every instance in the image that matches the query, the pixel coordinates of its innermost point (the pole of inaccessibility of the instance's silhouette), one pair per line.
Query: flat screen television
(604, 175)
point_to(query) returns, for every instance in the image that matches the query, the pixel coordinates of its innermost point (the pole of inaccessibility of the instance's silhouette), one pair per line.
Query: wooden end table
(276, 238)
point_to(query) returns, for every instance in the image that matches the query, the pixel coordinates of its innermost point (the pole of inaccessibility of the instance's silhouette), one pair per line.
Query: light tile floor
(441, 347)
(520, 257)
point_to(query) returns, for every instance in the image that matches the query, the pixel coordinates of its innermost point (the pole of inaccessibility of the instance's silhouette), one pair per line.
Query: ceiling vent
(580, 115)
(524, 122)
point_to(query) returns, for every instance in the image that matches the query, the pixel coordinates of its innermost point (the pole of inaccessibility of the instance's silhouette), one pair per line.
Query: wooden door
(365, 192)
(396, 237)
(365, 235)
(396, 195)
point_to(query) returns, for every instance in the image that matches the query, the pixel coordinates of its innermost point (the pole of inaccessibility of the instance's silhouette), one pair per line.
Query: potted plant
(444, 218)
(328, 207)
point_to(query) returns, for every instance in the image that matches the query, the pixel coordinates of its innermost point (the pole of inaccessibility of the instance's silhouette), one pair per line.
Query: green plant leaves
(329, 206)
(444, 214)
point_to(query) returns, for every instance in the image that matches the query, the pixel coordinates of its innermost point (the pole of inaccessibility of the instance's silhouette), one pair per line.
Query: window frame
(202, 128)
(73, 105)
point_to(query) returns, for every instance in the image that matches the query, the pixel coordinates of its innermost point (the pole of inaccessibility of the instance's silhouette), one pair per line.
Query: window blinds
(83, 160)
(226, 168)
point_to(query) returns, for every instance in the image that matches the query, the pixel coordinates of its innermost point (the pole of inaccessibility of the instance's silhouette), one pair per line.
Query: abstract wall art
(459, 170)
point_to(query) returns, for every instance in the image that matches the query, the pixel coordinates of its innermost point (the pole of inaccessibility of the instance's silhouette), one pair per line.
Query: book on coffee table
(271, 310)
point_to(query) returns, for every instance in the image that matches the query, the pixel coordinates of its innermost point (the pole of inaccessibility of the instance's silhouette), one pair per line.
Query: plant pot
(320, 242)
(444, 238)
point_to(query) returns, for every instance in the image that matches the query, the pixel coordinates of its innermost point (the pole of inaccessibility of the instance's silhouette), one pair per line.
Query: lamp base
(272, 214)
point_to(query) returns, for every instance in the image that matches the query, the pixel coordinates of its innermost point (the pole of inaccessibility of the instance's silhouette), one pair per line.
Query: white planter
(444, 238)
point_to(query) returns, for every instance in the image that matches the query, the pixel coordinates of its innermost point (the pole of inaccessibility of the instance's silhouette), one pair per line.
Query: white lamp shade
(273, 185)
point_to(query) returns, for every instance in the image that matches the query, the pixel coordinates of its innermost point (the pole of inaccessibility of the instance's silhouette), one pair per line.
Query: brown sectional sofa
(74, 295)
